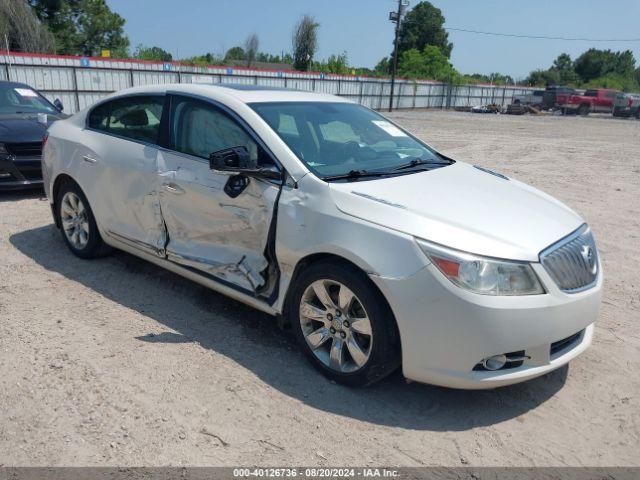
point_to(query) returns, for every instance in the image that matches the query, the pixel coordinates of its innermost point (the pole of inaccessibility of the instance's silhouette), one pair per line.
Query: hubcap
(336, 326)
(74, 220)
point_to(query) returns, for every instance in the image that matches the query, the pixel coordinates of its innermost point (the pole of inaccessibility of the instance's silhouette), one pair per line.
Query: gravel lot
(117, 362)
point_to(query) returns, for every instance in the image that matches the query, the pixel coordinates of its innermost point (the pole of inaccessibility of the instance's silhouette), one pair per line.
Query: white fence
(79, 82)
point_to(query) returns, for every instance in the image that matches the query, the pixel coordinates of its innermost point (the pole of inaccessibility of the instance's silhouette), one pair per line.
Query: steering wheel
(353, 149)
(348, 149)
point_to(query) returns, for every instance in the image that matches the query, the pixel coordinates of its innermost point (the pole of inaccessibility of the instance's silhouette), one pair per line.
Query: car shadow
(252, 339)
(27, 193)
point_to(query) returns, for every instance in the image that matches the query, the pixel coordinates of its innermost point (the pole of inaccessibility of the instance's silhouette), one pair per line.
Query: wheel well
(61, 179)
(330, 257)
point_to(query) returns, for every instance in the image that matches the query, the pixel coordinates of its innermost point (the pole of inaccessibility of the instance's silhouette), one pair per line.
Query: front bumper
(17, 173)
(446, 331)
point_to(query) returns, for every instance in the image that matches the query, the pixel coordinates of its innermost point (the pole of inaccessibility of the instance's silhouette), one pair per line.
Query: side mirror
(234, 159)
(238, 160)
(58, 104)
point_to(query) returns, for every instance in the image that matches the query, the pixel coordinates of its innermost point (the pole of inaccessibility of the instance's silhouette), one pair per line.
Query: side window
(137, 118)
(99, 117)
(199, 129)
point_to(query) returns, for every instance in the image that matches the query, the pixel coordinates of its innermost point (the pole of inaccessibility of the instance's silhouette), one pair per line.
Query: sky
(361, 28)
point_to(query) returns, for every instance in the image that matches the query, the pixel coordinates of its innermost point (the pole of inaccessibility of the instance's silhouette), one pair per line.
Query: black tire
(638, 113)
(583, 110)
(95, 246)
(384, 354)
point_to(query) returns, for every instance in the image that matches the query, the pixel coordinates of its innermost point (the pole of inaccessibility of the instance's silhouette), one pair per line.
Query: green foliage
(305, 42)
(155, 54)
(383, 67)
(422, 26)
(430, 63)
(83, 27)
(596, 63)
(593, 69)
(235, 53)
(540, 78)
(203, 60)
(615, 81)
(337, 64)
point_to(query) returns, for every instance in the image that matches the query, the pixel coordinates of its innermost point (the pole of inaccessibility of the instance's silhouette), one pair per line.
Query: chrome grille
(573, 262)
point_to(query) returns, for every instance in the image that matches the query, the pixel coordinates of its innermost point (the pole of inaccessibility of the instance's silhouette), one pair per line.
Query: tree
(305, 42)
(541, 78)
(564, 70)
(338, 64)
(383, 67)
(83, 27)
(422, 26)
(203, 60)
(596, 63)
(251, 46)
(235, 54)
(24, 31)
(156, 54)
(429, 63)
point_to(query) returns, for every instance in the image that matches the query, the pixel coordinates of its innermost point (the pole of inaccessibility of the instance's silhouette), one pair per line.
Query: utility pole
(6, 43)
(397, 18)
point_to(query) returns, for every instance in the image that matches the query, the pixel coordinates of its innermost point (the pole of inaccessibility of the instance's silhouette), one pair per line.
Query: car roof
(15, 84)
(245, 93)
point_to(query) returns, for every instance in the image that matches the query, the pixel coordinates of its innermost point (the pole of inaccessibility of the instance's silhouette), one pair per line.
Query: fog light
(495, 363)
(5, 175)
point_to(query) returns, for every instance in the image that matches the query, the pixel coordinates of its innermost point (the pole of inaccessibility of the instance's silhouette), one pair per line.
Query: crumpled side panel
(210, 231)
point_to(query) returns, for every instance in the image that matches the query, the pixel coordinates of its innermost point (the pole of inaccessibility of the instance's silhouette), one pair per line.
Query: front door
(216, 223)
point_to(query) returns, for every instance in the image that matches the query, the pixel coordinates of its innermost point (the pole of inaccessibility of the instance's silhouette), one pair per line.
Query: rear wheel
(583, 110)
(343, 324)
(77, 223)
(638, 113)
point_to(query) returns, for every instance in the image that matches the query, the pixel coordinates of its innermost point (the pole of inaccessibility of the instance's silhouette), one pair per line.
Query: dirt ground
(117, 362)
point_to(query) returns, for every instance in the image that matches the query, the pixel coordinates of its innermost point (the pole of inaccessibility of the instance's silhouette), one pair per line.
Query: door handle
(89, 159)
(173, 188)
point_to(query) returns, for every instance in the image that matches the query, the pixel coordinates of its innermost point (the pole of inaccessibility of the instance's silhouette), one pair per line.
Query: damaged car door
(119, 167)
(217, 223)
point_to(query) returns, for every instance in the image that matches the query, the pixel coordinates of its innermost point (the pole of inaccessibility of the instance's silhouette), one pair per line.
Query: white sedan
(375, 249)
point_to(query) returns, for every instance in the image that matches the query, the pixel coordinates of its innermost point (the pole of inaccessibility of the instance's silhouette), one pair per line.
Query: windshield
(334, 139)
(22, 99)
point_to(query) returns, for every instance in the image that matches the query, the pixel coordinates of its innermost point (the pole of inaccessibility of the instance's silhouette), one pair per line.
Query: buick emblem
(589, 258)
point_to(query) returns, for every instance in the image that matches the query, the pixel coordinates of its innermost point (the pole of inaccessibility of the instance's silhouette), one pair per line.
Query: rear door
(217, 223)
(119, 165)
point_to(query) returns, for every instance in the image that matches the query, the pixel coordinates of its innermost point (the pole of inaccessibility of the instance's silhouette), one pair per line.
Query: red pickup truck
(599, 100)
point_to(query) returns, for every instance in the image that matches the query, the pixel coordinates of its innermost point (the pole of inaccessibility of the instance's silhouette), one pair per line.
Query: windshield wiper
(417, 162)
(354, 174)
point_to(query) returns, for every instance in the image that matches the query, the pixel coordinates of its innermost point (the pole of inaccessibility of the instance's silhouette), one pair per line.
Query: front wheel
(583, 110)
(343, 324)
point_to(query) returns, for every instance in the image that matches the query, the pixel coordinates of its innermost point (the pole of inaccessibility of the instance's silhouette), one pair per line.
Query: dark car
(550, 96)
(25, 116)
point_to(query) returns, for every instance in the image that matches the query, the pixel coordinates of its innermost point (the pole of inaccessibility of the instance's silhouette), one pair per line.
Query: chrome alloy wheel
(74, 220)
(336, 326)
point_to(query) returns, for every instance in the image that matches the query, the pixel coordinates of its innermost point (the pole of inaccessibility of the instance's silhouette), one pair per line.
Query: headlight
(482, 275)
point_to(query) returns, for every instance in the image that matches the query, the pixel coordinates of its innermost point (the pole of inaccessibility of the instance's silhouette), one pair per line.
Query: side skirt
(197, 276)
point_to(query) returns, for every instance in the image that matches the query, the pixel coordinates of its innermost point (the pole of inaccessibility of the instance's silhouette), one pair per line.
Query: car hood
(23, 128)
(462, 207)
